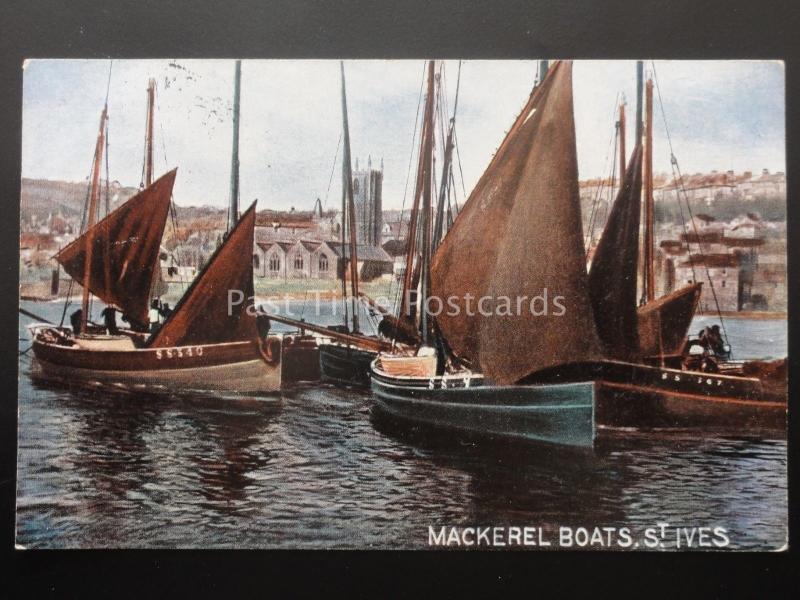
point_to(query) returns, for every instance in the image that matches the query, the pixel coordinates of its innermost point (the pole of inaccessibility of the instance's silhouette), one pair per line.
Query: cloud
(721, 114)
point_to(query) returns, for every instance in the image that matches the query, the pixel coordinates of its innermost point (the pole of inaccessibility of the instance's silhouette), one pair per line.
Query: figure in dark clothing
(263, 324)
(165, 311)
(75, 320)
(110, 320)
(711, 339)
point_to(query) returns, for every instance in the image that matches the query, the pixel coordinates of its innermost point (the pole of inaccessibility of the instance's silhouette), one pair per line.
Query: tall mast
(411, 244)
(427, 180)
(649, 208)
(94, 195)
(639, 85)
(148, 145)
(543, 66)
(233, 209)
(347, 182)
(447, 169)
(622, 157)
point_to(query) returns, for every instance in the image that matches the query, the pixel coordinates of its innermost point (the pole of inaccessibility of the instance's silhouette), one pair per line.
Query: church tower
(367, 195)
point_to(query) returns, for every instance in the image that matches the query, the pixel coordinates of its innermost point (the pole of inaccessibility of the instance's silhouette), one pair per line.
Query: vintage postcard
(403, 304)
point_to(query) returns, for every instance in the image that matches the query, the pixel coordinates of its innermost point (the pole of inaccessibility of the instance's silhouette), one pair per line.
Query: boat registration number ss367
(183, 352)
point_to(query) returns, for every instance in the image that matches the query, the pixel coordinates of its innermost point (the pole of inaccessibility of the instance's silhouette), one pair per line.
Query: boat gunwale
(426, 380)
(738, 378)
(147, 349)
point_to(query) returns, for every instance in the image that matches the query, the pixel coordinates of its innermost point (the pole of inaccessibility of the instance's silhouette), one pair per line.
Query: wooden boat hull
(625, 405)
(300, 361)
(345, 366)
(560, 414)
(237, 367)
(635, 395)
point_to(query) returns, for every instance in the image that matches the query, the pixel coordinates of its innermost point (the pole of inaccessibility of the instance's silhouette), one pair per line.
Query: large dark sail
(519, 238)
(202, 316)
(125, 248)
(612, 276)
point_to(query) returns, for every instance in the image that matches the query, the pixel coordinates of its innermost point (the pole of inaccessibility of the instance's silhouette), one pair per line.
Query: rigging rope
(333, 170)
(589, 237)
(81, 231)
(173, 210)
(398, 291)
(679, 180)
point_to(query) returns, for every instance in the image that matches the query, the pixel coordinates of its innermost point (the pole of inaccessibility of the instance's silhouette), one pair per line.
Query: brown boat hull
(636, 395)
(238, 367)
(628, 405)
(300, 360)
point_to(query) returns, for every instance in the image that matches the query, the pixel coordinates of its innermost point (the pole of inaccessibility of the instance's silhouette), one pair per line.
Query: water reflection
(313, 469)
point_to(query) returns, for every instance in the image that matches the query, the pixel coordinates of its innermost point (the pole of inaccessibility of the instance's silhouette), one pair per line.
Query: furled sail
(518, 242)
(203, 314)
(612, 276)
(125, 248)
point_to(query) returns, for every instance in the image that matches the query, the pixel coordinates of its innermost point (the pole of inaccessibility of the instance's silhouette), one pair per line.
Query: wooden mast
(622, 157)
(347, 181)
(543, 66)
(233, 209)
(148, 146)
(639, 134)
(90, 219)
(649, 208)
(639, 85)
(427, 180)
(411, 249)
(447, 172)
(148, 158)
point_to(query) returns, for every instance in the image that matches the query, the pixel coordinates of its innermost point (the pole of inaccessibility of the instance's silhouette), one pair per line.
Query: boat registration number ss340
(182, 352)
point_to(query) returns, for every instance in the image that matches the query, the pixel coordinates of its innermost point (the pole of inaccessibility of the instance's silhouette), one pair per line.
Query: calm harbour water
(311, 469)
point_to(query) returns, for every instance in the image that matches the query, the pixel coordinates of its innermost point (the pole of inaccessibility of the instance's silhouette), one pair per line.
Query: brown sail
(519, 236)
(612, 277)
(125, 247)
(202, 316)
(664, 323)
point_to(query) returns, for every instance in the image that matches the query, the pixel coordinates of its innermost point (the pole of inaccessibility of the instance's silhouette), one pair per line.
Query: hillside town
(732, 235)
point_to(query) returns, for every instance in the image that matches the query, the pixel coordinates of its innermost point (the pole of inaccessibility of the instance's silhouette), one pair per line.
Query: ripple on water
(314, 470)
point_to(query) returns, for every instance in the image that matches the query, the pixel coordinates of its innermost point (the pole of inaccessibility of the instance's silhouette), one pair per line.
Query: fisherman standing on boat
(75, 320)
(711, 340)
(263, 324)
(165, 311)
(154, 316)
(109, 315)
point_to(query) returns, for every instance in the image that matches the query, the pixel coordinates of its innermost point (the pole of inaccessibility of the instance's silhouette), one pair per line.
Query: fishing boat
(205, 343)
(654, 379)
(465, 375)
(342, 363)
(575, 364)
(662, 323)
(199, 348)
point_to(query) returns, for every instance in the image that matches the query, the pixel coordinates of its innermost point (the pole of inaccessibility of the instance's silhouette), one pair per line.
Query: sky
(721, 115)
